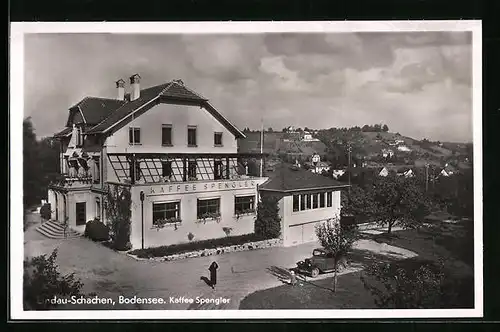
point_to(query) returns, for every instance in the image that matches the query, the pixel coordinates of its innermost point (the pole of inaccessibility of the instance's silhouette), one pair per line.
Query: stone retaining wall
(217, 251)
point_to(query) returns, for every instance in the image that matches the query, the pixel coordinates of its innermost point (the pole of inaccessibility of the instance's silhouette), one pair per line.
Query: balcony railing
(73, 181)
(163, 168)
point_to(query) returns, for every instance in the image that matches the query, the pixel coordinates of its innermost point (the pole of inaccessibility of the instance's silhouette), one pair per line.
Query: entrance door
(65, 213)
(81, 213)
(57, 207)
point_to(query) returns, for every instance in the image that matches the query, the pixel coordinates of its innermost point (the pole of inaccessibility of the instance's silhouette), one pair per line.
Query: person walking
(213, 274)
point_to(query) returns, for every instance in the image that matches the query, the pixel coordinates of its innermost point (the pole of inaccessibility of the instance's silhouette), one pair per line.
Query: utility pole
(261, 146)
(349, 166)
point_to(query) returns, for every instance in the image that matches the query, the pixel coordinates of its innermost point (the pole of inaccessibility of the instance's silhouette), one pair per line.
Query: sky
(418, 83)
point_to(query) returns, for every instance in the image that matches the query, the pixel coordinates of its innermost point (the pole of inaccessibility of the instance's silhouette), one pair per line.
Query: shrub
(417, 284)
(268, 221)
(227, 230)
(118, 203)
(96, 230)
(190, 236)
(43, 282)
(46, 212)
(198, 245)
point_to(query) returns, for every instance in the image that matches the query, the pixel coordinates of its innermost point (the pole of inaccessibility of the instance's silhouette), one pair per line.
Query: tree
(396, 199)
(42, 282)
(31, 172)
(455, 193)
(270, 129)
(268, 221)
(337, 240)
(40, 164)
(385, 128)
(405, 288)
(356, 201)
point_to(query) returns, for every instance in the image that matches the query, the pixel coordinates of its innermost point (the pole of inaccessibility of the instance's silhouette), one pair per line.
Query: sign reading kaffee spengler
(200, 187)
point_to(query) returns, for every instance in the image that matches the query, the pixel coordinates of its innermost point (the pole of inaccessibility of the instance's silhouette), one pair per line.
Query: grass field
(449, 243)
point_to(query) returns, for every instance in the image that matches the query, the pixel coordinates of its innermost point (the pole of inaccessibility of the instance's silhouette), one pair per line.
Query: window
(217, 169)
(98, 208)
(79, 137)
(302, 202)
(315, 201)
(295, 203)
(134, 135)
(308, 202)
(166, 168)
(169, 212)
(97, 170)
(207, 207)
(191, 136)
(166, 135)
(218, 139)
(244, 204)
(81, 213)
(192, 169)
(311, 201)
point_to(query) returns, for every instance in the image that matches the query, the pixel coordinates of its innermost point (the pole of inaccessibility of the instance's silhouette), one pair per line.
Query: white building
(174, 152)
(404, 148)
(387, 153)
(337, 173)
(308, 137)
(305, 200)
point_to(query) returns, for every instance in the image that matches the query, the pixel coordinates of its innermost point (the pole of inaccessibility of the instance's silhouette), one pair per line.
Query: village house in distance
(179, 157)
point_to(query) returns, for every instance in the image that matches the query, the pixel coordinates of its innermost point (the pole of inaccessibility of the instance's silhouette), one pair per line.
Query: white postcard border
(18, 29)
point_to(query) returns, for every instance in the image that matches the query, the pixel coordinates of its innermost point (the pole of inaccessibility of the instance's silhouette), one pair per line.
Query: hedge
(96, 230)
(196, 246)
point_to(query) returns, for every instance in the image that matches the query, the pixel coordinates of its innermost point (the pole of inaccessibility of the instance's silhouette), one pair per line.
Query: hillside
(366, 146)
(276, 143)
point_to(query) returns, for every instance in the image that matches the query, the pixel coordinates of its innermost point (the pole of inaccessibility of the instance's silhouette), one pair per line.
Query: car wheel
(315, 272)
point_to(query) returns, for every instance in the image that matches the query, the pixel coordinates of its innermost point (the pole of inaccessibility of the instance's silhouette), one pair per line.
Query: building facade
(176, 153)
(305, 200)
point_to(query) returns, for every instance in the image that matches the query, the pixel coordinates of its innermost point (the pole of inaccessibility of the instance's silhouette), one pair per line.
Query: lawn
(350, 294)
(449, 243)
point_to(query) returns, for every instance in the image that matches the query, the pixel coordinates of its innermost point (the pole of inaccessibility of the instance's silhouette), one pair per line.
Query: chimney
(120, 86)
(136, 88)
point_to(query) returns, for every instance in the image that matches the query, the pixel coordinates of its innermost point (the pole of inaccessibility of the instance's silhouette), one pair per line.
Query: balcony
(178, 168)
(75, 181)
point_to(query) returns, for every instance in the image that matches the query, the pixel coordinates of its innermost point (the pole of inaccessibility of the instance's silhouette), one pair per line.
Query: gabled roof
(94, 109)
(106, 114)
(146, 96)
(177, 90)
(63, 133)
(288, 178)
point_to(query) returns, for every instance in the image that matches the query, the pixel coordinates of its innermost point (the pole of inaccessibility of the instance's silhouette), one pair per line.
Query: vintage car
(322, 261)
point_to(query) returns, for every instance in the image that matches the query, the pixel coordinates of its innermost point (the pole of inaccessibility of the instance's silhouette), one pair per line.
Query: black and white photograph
(246, 170)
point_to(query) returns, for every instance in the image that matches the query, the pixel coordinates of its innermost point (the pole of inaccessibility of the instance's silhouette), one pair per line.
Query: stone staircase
(55, 230)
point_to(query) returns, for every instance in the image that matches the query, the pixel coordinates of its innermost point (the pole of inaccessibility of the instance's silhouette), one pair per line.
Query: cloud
(314, 80)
